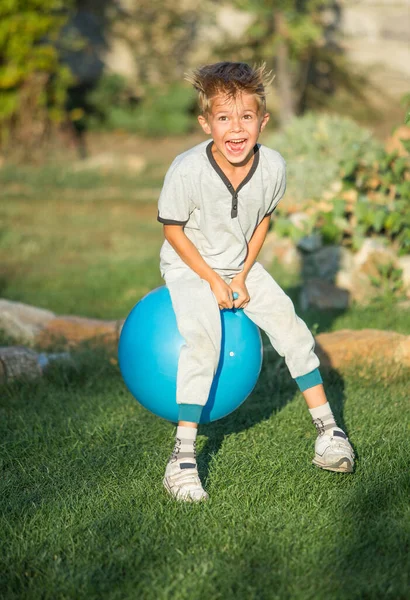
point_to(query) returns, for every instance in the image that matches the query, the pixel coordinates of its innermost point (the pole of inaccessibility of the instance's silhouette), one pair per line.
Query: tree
(33, 83)
(284, 34)
(162, 35)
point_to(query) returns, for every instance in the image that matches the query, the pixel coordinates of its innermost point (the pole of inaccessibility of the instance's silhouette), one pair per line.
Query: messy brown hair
(230, 78)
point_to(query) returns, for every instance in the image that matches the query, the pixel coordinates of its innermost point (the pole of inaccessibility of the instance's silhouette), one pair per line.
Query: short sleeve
(280, 187)
(174, 201)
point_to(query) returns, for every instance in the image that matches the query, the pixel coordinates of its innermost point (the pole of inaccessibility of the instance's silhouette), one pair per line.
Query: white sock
(323, 419)
(185, 442)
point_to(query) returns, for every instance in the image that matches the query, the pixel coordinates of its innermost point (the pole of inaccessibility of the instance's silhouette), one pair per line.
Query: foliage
(296, 39)
(164, 110)
(388, 279)
(33, 84)
(406, 103)
(162, 35)
(379, 193)
(314, 146)
(372, 199)
(303, 29)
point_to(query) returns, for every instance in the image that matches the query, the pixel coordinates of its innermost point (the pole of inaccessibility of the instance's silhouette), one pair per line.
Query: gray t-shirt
(218, 219)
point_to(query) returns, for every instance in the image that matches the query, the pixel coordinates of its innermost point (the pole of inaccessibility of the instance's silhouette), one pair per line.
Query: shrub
(162, 111)
(314, 146)
(382, 206)
(373, 199)
(33, 83)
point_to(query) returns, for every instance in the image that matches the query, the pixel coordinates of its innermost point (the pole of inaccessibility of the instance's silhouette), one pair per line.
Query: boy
(215, 207)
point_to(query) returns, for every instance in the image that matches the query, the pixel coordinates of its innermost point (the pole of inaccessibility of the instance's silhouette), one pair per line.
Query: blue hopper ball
(149, 350)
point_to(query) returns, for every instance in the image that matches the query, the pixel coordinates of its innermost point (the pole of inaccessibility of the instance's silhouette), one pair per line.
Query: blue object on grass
(149, 350)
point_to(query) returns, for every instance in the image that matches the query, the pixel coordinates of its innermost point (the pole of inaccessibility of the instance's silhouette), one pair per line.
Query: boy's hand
(223, 293)
(238, 286)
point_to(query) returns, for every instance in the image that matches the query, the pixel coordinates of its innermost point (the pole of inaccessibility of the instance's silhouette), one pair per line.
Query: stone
(362, 289)
(283, 250)
(326, 262)
(373, 253)
(42, 327)
(22, 321)
(323, 295)
(310, 243)
(17, 362)
(73, 330)
(341, 349)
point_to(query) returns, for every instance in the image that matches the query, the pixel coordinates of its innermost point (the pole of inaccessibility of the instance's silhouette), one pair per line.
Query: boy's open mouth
(236, 146)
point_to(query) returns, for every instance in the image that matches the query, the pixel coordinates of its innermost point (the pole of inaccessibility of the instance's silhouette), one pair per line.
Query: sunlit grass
(83, 512)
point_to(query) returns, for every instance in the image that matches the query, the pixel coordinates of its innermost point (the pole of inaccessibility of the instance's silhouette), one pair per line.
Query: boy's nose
(236, 124)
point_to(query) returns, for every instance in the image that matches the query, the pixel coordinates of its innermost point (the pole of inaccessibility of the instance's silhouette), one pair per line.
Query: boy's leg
(199, 323)
(273, 311)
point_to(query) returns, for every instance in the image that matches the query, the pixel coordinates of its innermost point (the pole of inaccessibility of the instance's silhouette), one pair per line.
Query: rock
(323, 295)
(283, 250)
(372, 254)
(73, 330)
(344, 348)
(326, 262)
(22, 321)
(310, 243)
(362, 289)
(17, 362)
(42, 327)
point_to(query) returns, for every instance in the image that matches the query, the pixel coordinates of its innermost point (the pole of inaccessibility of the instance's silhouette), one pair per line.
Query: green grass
(87, 243)
(82, 509)
(84, 515)
(79, 248)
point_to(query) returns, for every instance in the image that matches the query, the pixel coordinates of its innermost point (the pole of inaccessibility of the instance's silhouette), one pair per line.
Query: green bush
(383, 200)
(373, 200)
(33, 83)
(314, 146)
(162, 111)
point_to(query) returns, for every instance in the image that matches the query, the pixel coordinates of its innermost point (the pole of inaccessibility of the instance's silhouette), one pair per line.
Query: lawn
(83, 512)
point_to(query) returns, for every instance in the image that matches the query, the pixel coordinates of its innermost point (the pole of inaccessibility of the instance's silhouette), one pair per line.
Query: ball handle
(235, 295)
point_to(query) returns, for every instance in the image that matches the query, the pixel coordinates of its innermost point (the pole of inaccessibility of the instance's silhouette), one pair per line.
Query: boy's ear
(265, 119)
(204, 124)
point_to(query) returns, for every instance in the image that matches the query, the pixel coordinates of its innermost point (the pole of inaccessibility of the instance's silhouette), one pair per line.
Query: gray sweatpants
(199, 322)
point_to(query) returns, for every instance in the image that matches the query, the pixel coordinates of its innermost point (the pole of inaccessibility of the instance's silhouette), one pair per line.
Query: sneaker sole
(344, 466)
(181, 498)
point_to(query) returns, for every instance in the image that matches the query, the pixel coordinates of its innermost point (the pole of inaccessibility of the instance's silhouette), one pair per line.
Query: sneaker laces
(320, 426)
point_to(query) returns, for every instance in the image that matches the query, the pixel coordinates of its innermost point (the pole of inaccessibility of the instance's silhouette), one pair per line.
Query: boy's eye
(247, 117)
(222, 118)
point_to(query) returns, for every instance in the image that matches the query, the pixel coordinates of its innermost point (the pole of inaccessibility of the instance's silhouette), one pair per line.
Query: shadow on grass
(273, 391)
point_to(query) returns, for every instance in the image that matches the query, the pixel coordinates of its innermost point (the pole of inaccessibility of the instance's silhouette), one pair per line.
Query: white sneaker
(334, 452)
(181, 480)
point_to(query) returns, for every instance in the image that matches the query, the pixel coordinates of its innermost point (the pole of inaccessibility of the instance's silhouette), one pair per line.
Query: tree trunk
(284, 76)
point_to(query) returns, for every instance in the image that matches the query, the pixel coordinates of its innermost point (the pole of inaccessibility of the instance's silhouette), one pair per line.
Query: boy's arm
(188, 252)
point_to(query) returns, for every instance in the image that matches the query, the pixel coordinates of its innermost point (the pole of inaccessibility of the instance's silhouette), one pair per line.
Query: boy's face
(235, 125)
